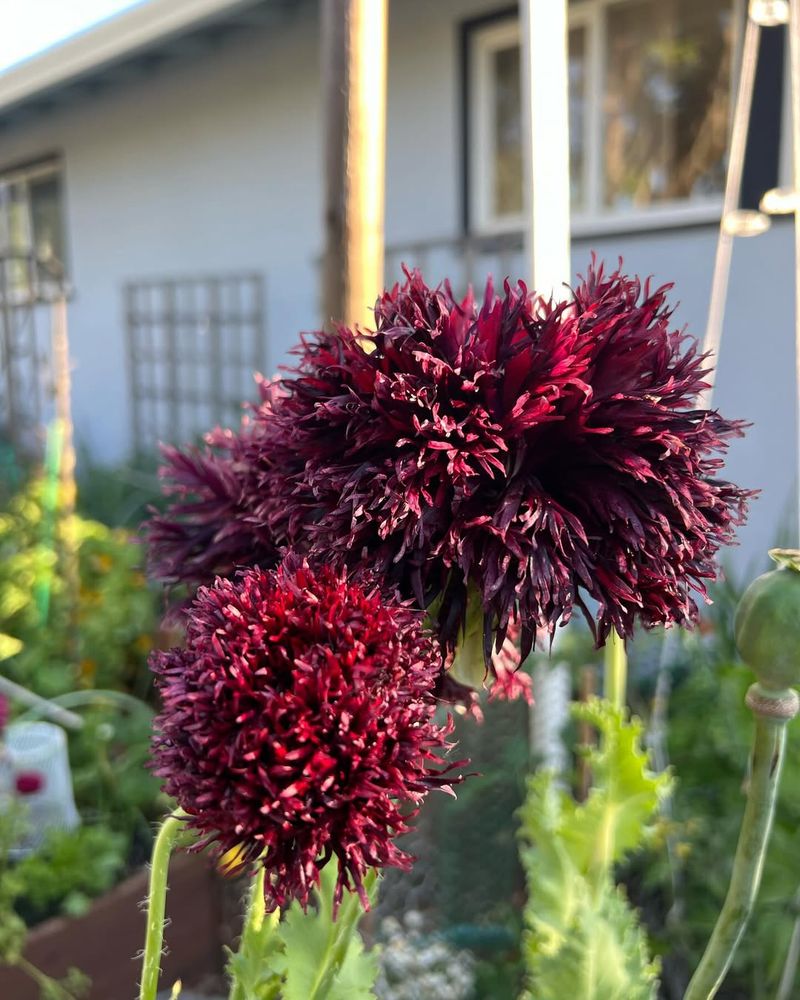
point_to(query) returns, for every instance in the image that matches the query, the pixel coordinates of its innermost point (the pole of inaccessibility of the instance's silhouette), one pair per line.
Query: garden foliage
(583, 939)
(307, 955)
(76, 623)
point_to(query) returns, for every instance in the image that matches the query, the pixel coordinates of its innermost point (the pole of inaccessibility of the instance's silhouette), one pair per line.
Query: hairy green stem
(767, 759)
(615, 670)
(256, 906)
(156, 904)
(251, 928)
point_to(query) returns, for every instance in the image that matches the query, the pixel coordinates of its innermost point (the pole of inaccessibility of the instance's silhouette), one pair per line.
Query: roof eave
(106, 43)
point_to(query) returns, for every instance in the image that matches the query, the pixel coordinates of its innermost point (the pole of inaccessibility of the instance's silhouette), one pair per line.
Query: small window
(649, 110)
(32, 244)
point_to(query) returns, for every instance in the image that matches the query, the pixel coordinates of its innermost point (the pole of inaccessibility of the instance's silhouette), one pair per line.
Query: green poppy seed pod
(767, 623)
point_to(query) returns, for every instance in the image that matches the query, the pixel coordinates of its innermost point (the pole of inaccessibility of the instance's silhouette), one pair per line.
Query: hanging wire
(794, 64)
(733, 222)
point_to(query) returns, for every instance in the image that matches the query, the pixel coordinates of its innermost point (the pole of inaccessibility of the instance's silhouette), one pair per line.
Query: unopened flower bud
(767, 624)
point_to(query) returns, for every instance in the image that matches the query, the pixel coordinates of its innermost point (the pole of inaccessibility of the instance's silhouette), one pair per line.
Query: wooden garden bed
(104, 942)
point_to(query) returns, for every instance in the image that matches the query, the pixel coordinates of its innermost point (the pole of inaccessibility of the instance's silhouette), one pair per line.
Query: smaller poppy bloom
(298, 725)
(216, 520)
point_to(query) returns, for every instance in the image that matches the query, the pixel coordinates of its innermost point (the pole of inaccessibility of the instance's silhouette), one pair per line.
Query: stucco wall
(213, 164)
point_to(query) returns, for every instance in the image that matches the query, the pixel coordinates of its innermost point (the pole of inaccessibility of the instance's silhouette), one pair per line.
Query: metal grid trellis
(193, 347)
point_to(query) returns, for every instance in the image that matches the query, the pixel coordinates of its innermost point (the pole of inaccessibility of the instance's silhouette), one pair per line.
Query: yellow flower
(87, 670)
(231, 860)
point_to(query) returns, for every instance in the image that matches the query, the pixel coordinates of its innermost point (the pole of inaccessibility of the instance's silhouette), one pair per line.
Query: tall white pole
(545, 131)
(546, 144)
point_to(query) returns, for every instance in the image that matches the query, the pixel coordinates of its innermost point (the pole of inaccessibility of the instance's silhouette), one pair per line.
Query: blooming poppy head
(298, 724)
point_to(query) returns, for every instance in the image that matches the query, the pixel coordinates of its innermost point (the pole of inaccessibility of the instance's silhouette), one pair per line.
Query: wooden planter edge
(105, 943)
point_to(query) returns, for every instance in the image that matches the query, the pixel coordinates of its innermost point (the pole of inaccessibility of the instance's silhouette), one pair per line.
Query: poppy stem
(255, 937)
(772, 711)
(156, 903)
(615, 670)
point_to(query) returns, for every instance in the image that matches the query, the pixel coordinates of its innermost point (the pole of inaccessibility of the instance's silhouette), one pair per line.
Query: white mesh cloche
(41, 748)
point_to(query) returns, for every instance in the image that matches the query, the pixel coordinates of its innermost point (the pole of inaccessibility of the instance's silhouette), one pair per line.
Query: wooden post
(354, 45)
(62, 386)
(67, 491)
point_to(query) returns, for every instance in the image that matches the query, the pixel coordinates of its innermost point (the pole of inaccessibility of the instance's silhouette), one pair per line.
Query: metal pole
(733, 187)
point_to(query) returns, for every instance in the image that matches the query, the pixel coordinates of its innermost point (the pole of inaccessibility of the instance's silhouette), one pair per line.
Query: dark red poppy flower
(5, 713)
(523, 454)
(511, 459)
(298, 724)
(29, 782)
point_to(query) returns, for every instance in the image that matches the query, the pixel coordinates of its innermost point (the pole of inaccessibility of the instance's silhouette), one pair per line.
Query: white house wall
(213, 164)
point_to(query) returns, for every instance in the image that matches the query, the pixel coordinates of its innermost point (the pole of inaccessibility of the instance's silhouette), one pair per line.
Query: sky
(28, 26)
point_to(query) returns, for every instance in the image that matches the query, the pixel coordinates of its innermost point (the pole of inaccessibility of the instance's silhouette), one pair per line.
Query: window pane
(15, 236)
(667, 100)
(507, 198)
(48, 235)
(576, 77)
(19, 237)
(507, 126)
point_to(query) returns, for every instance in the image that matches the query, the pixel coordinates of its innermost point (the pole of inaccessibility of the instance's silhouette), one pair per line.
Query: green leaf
(325, 959)
(469, 663)
(357, 974)
(604, 957)
(583, 940)
(255, 968)
(625, 793)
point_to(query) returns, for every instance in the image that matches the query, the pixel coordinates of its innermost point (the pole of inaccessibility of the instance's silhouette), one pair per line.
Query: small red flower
(29, 782)
(298, 724)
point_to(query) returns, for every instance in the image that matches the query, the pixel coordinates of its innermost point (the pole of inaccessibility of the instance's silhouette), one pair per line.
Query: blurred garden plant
(414, 964)
(15, 788)
(65, 636)
(680, 878)
(76, 636)
(365, 547)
